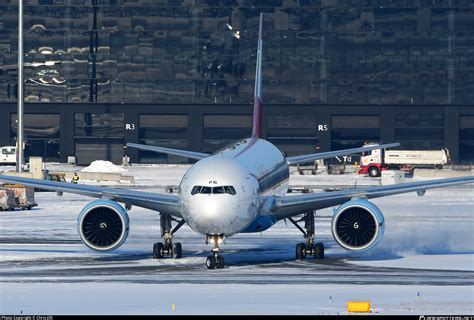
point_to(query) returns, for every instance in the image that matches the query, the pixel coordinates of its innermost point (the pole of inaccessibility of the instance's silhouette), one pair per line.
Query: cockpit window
(196, 189)
(214, 190)
(218, 190)
(206, 190)
(230, 190)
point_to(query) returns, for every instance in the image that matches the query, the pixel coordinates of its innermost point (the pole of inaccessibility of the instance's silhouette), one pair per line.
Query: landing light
(212, 240)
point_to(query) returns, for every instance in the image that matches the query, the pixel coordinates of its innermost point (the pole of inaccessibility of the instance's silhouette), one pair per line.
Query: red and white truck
(375, 161)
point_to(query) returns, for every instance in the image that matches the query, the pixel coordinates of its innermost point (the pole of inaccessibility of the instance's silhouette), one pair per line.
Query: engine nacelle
(358, 225)
(103, 225)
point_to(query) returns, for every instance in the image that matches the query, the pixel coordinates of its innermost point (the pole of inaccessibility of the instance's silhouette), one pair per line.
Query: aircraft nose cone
(211, 215)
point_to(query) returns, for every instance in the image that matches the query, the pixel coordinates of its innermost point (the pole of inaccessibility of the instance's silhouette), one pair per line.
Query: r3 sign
(130, 126)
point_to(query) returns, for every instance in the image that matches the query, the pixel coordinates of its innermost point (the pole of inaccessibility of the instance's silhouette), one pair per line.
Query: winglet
(257, 99)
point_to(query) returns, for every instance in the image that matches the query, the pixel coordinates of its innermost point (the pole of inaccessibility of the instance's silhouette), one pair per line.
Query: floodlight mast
(20, 133)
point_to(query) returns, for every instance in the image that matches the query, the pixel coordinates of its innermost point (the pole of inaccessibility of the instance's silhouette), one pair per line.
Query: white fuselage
(221, 194)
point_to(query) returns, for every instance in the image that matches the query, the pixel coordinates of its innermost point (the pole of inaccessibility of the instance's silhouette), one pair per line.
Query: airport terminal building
(180, 74)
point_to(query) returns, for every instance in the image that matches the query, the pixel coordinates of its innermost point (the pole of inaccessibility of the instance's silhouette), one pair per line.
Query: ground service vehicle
(375, 161)
(8, 155)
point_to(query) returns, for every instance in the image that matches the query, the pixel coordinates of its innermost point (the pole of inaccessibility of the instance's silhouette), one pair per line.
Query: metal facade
(363, 70)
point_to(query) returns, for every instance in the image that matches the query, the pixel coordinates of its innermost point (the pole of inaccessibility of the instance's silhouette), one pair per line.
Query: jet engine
(358, 225)
(103, 225)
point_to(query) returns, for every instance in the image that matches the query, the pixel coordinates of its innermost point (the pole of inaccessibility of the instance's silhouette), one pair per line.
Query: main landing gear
(309, 248)
(167, 247)
(215, 260)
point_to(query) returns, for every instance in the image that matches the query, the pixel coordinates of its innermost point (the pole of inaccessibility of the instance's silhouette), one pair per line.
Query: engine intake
(358, 225)
(103, 225)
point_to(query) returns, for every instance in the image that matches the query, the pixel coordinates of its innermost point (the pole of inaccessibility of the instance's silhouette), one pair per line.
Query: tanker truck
(375, 161)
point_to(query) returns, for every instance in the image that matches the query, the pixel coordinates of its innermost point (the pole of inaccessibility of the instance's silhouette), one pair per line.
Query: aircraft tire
(319, 251)
(158, 250)
(211, 262)
(177, 250)
(220, 262)
(300, 254)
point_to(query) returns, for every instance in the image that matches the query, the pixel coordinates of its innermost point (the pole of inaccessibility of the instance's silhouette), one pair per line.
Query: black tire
(28, 208)
(211, 262)
(374, 172)
(300, 251)
(158, 250)
(319, 251)
(220, 262)
(177, 250)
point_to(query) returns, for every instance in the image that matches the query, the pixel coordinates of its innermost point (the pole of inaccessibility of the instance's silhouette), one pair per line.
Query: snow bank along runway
(427, 247)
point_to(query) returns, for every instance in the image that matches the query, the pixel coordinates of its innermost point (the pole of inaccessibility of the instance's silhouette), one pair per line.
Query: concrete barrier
(18, 174)
(95, 176)
(392, 177)
(441, 173)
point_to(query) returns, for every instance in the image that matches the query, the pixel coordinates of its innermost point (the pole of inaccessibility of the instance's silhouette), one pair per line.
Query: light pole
(20, 138)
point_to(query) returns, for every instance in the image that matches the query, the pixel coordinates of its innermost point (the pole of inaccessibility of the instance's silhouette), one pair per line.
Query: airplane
(239, 189)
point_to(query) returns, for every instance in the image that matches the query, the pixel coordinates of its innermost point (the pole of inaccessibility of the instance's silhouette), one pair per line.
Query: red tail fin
(257, 99)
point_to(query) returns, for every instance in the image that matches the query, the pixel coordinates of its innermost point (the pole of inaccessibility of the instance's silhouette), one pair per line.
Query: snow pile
(103, 166)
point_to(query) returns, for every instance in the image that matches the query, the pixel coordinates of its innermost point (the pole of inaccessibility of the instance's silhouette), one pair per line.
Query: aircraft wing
(175, 152)
(325, 155)
(160, 202)
(286, 206)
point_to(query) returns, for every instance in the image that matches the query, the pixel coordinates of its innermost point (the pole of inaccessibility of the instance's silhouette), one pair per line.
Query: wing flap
(285, 206)
(159, 202)
(325, 155)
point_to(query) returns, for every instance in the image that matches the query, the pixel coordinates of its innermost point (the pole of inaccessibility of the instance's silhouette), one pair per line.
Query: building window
(293, 133)
(221, 130)
(41, 135)
(163, 130)
(99, 125)
(419, 131)
(353, 131)
(99, 136)
(466, 139)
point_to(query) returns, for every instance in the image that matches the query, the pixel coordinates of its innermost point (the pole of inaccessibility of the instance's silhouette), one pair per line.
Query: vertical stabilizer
(257, 99)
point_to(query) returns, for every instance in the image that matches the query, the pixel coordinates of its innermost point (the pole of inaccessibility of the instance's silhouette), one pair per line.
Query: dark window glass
(293, 133)
(9, 151)
(221, 130)
(99, 125)
(218, 190)
(466, 139)
(353, 131)
(163, 130)
(195, 190)
(230, 190)
(315, 52)
(419, 131)
(42, 132)
(206, 190)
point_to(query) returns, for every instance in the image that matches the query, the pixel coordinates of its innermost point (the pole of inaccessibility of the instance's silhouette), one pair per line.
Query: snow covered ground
(423, 265)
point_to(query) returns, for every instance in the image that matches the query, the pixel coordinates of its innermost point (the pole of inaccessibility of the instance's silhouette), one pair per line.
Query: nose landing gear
(309, 248)
(215, 260)
(167, 247)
